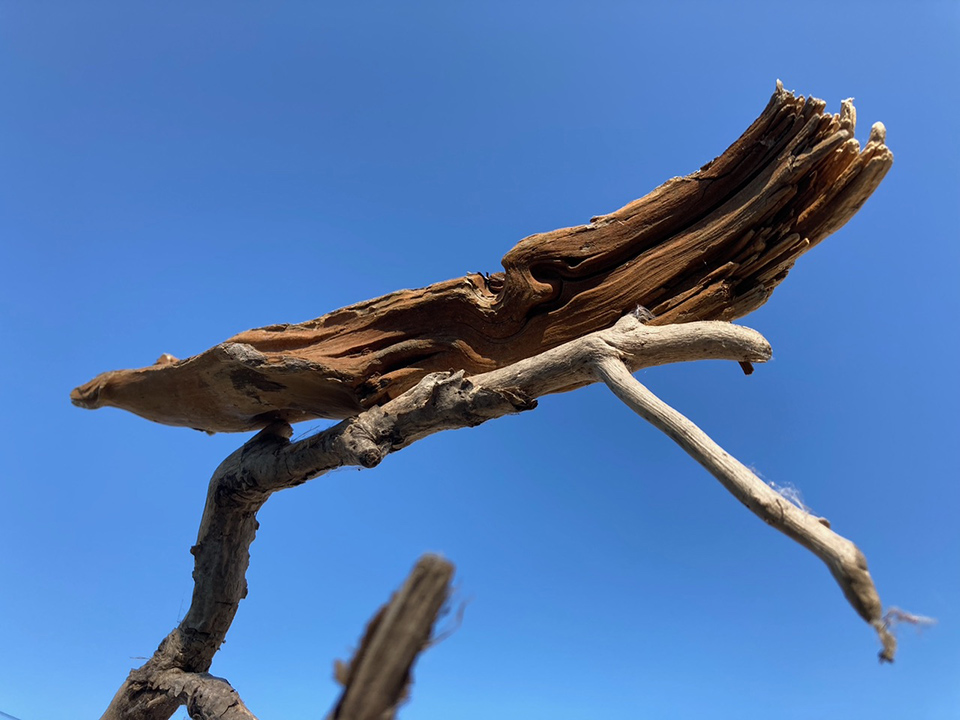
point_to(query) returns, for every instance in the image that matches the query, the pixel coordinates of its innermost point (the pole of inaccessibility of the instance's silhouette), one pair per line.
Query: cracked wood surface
(709, 246)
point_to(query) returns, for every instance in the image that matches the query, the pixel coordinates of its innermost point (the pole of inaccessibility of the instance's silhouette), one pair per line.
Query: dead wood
(269, 462)
(846, 562)
(206, 697)
(378, 677)
(712, 245)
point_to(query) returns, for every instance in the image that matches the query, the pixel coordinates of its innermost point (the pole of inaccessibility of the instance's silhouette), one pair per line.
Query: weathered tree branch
(710, 246)
(206, 697)
(445, 401)
(378, 677)
(270, 462)
(844, 559)
(150, 693)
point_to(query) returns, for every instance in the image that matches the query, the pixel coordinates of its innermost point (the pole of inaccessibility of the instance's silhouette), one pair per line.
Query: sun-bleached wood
(204, 696)
(270, 462)
(709, 246)
(844, 559)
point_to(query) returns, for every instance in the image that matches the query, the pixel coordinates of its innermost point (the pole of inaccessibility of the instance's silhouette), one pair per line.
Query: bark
(206, 697)
(712, 245)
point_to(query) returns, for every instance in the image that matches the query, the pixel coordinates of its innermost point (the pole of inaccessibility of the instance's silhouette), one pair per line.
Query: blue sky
(172, 174)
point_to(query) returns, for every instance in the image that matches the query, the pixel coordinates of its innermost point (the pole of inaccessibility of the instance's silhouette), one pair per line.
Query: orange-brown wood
(712, 245)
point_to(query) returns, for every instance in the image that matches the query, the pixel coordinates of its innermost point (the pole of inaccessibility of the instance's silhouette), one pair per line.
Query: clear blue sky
(173, 173)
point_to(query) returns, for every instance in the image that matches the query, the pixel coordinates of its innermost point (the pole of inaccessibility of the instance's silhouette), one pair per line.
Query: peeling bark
(709, 246)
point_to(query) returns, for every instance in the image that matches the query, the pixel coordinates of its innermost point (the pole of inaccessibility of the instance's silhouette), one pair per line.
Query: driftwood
(568, 310)
(709, 246)
(378, 677)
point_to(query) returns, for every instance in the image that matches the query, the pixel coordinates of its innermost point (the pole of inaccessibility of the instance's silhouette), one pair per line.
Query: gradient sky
(174, 173)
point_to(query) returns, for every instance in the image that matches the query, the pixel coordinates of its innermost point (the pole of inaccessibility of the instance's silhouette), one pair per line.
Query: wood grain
(709, 246)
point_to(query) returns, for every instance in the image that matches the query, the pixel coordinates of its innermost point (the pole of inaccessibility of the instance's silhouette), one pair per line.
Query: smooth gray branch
(844, 559)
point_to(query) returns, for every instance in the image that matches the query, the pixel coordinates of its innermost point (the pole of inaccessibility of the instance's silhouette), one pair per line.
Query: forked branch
(698, 250)
(270, 462)
(442, 401)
